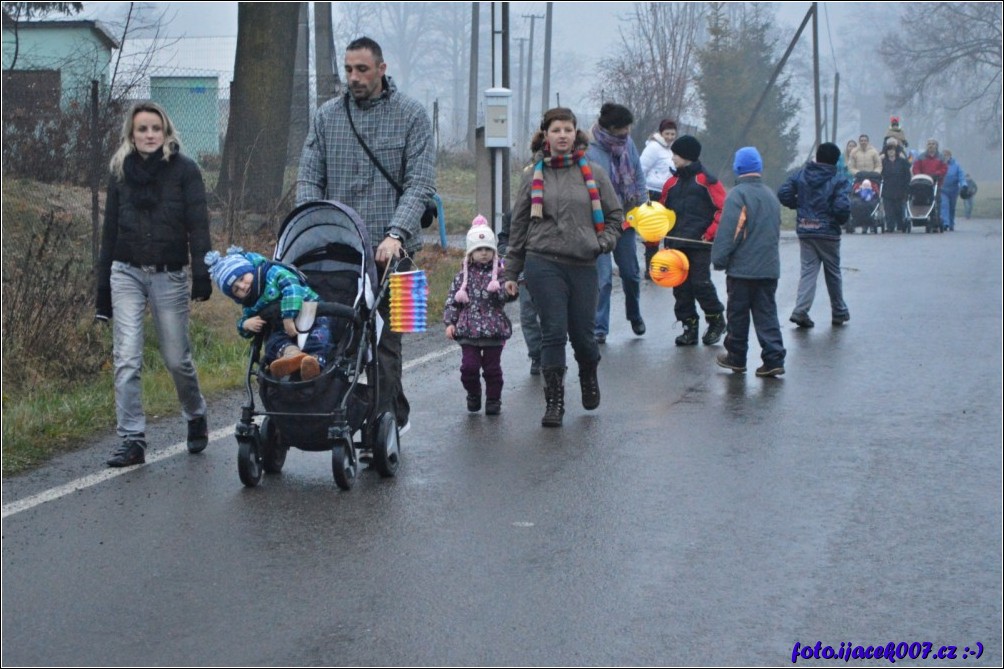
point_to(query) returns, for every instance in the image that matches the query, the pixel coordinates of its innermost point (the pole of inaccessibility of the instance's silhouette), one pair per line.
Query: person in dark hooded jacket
(821, 197)
(895, 187)
(697, 198)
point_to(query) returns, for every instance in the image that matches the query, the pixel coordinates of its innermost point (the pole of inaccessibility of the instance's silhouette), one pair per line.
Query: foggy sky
(585, 33)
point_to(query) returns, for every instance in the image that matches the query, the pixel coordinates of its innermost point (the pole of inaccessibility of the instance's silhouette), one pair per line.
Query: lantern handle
(691, 241)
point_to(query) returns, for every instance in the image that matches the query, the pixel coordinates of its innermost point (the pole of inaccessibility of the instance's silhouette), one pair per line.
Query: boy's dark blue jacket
(821, 197)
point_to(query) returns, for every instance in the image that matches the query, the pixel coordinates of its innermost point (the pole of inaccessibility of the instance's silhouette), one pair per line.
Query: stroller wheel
(386, 446)
(249, 462)
(273, 453)
(342, 465)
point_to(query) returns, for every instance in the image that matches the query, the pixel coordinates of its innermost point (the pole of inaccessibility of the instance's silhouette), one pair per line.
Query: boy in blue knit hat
(255, 283)
(746, 247)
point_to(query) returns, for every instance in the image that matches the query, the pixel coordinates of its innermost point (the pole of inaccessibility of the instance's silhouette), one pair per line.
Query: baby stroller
(922, 203)
(329, 245)
(866, 203)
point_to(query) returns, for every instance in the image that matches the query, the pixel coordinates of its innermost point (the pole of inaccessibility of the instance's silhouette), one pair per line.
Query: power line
(829, 37)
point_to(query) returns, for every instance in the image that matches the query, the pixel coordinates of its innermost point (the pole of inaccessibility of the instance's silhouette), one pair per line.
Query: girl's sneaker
(474, 403)
(493, 407)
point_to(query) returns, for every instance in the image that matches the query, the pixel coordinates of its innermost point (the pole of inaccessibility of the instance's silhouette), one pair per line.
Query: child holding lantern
(475, 318)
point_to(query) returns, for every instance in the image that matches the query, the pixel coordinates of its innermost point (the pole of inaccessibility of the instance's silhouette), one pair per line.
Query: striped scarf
(558, 162)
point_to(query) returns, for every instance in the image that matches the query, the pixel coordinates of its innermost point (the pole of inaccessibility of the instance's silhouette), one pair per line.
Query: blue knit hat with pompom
(226, 270)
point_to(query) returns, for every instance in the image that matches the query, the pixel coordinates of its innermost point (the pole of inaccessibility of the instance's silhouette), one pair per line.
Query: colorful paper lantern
(669, 268)
(409, 299)
(652, 221)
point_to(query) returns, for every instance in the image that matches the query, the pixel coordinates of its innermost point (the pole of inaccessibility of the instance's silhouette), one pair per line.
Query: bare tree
(654, 73)
(139, 21)
(254, 153)
(949, 53)
(453, 32)
(355, 19)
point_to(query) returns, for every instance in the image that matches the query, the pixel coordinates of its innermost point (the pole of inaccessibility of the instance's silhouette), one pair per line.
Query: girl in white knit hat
(475, 318)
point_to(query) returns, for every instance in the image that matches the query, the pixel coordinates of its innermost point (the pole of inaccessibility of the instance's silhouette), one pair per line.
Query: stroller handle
(336, 309)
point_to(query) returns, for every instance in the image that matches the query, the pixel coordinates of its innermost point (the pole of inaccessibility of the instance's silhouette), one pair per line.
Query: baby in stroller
(866, 202)
(257, 283)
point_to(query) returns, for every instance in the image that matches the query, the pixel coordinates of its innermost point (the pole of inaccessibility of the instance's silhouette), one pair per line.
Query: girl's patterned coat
(482, 321)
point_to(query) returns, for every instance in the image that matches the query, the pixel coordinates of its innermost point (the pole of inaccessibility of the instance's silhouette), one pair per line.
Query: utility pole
(472, 81)
(328, 82)
(529, 70)
(546, 75)
(815, 69)
(522, 126)
(836, 93)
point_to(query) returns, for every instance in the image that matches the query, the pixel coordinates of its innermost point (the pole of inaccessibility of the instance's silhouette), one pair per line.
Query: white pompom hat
(480, 236)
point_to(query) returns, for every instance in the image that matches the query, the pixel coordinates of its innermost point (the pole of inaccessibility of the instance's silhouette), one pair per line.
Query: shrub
(48, 301)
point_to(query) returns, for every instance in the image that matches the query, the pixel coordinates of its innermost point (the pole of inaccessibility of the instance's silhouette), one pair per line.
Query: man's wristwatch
(394, 235)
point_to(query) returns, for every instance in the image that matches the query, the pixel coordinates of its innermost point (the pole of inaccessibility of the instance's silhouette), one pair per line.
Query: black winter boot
(716, 328)
(554, 394)
(590, 385)
(689, 336)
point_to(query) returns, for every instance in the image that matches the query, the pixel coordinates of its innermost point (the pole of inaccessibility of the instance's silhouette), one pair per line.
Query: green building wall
(194, 107)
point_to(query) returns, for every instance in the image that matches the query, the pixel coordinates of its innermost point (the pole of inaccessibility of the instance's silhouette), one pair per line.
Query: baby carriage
(866, 203)
(329, 245)
(922, 203)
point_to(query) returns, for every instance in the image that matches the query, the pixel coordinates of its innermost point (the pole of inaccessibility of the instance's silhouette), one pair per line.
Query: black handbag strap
(379, 165)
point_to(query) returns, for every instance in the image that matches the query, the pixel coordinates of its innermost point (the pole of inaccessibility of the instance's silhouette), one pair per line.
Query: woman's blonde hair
(557, 114)
(172, 144)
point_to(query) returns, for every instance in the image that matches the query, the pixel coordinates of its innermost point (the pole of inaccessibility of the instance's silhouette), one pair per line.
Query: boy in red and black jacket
(697, 198)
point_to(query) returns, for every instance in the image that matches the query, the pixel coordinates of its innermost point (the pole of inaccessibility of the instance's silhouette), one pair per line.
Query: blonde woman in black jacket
(156, 226)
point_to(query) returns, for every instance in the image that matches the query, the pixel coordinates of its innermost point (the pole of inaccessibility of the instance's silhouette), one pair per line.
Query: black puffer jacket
(174, 232)
(697, 198)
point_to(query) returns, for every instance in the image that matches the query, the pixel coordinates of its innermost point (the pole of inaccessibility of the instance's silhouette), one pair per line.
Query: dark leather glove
(103, 305)
(202, 288)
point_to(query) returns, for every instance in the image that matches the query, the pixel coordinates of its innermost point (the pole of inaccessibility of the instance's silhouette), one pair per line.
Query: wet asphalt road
(697, 518)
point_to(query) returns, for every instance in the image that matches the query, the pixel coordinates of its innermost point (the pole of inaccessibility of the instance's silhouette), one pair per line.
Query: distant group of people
(897, 164)
(565, 231)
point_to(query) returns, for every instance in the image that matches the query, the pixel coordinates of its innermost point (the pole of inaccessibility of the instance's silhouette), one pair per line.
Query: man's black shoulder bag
(431, 210)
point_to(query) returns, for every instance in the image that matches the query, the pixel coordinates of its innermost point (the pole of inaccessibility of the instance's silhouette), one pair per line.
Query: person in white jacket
(657, 164)
(657, 158)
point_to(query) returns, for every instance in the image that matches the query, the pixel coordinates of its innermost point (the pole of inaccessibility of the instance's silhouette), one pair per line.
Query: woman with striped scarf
(565, 216)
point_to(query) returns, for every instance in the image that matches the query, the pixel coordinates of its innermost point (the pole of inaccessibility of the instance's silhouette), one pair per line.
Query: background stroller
(328, 243)
(867, 211)
(922, 203)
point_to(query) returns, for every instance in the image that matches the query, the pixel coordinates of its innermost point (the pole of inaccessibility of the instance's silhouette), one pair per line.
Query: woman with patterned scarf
(565, 216)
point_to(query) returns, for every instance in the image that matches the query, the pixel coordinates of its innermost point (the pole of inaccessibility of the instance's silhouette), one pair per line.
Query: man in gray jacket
(335, 166)
(746, 247)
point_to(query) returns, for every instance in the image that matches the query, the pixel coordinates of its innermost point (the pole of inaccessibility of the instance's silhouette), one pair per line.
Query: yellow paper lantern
(669, 268)
(652, 221)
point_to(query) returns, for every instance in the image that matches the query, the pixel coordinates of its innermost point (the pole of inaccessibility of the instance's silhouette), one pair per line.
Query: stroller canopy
(324, 237)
